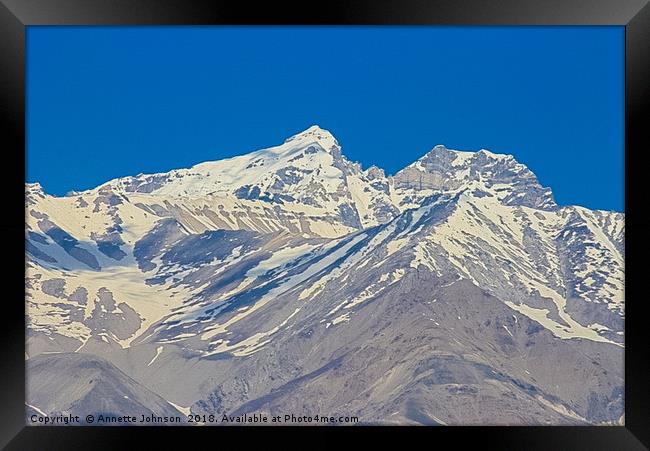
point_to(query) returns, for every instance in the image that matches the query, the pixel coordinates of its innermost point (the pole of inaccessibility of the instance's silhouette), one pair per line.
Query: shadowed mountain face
(82, 384)
(291, 280)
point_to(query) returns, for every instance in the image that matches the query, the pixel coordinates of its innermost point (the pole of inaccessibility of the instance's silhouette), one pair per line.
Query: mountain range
(292, 280)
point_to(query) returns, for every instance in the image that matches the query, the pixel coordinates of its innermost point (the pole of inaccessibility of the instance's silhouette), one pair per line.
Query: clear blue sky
(114, 101)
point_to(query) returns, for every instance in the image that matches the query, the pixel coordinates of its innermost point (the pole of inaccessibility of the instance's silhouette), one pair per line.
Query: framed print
(378, 216)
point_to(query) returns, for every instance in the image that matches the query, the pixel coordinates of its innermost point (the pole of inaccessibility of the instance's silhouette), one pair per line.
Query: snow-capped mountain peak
(34, 188)
(443, 169)
(33, 192)
(315, 135)
(312, 150)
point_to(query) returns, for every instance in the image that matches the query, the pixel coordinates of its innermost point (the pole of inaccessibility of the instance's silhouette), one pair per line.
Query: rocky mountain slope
(292, 280)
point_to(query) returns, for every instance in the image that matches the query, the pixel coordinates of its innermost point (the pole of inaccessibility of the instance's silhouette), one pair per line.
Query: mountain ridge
(312, 135)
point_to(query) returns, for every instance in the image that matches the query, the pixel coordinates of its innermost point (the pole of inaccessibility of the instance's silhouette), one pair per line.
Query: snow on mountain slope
(523, 261)
(519, 262)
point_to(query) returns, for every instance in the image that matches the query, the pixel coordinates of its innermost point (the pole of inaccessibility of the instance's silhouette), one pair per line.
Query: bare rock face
(75, 384)
(291, 280)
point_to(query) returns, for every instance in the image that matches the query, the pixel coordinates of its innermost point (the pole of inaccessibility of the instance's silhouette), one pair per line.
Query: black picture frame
(634, 15)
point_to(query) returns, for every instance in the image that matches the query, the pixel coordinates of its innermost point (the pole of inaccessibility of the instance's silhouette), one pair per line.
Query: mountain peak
(35, 186)
(34, 189)
(443, 169)
(441, 149)
(316, 134)
(314, 128)
(33, 192)
(496, 156)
